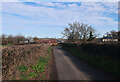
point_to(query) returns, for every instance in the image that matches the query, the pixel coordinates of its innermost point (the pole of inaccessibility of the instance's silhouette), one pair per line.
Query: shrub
(22, 68)
(103, 56)
(32, 74)
(109, 50)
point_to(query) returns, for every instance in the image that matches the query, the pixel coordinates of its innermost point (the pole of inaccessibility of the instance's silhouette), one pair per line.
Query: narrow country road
(71, 68)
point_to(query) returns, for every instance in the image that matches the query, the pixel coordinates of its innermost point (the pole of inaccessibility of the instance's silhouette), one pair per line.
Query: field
(26, 62)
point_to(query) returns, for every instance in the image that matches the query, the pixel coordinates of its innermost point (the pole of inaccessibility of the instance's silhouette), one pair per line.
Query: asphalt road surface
(71, 68)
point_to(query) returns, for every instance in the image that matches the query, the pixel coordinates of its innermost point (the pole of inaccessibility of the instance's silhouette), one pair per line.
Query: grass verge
(49, 50)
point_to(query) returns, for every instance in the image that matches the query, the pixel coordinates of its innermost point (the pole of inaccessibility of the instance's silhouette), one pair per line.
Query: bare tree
(19, 38)
(77, 31)
(29, 38)
(4, 39)
(3, 36)
(114, 33)
(11, 39)
(35, 38)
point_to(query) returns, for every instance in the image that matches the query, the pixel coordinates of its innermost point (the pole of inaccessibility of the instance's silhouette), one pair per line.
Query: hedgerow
(103, 56)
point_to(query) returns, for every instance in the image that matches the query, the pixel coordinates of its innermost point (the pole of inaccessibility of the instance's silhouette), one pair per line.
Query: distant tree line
(114, 34)
(10, 39)
(77, 31)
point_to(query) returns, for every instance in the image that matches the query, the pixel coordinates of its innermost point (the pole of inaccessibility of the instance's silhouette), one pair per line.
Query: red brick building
(51, 42)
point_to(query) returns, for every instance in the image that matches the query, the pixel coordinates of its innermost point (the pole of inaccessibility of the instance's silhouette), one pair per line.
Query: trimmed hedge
(103, 56)
(111, 50)
(69, 45)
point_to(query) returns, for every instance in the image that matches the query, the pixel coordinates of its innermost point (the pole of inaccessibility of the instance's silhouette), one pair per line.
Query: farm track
(71, 68)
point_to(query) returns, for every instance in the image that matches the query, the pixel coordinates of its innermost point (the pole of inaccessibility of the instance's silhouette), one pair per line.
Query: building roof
(109, 38)
(46, 41)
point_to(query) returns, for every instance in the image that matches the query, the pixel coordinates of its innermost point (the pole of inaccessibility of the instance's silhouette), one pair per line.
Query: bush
(109, 50)
(69, 45)
(14, 57)
(22, 68)
(103, 56)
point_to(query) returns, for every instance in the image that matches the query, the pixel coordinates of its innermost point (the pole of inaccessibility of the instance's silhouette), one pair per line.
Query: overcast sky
(48, 19)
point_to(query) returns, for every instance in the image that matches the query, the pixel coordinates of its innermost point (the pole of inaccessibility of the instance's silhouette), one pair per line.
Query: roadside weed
(22, 68)
(49, 50)
(39, 67)
(43, 75)
(32, 74)
(24, 77)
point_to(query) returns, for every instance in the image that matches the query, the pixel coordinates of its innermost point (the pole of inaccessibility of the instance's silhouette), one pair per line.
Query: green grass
(32, 74)
(43, 76)
(40, 65)
(49, 50)
(106, 64)
(24, 77)
(22, 68)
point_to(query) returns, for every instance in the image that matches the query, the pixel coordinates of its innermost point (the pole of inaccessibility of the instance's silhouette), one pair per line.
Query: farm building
(60, 40)
(109, 39)
(51, 42)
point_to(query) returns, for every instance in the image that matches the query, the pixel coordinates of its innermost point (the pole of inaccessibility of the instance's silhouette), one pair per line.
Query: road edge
(53, 69)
